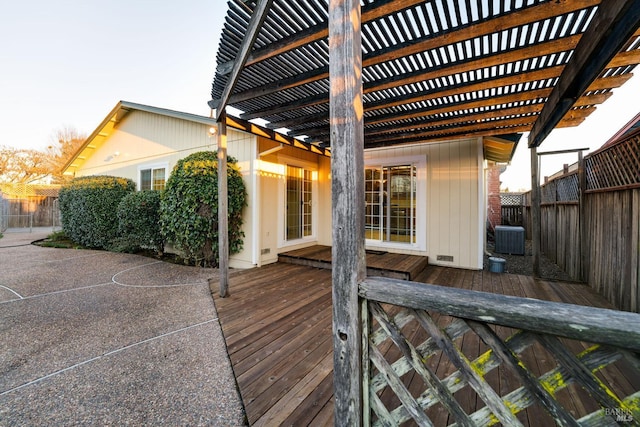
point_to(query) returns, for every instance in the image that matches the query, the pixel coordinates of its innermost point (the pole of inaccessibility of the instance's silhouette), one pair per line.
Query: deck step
(379, 263)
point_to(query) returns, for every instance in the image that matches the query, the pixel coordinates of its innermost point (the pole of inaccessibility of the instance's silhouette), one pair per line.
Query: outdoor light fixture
(212, 131)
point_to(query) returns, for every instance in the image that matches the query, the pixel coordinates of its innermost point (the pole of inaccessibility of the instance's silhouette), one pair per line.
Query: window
(152, 178)
(299, 212)
(391, 203)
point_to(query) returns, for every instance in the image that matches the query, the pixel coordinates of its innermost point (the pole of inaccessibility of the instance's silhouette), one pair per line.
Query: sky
(67, 63)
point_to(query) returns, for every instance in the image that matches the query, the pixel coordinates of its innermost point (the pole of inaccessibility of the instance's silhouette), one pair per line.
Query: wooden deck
(277, 325)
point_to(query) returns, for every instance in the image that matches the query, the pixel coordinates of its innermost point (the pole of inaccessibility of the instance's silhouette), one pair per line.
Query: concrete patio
(99, 338)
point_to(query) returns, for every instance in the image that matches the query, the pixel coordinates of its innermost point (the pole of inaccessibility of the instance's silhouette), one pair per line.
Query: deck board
(277, 325)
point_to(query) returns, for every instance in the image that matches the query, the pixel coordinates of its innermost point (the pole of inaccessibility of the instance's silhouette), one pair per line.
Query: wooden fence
(427, 325)
(593, 232)
(25, 206)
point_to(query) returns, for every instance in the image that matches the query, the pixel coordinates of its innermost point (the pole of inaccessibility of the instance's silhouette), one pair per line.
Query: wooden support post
(535, 210)
(582, 219)
(347, 186)
(223, 207)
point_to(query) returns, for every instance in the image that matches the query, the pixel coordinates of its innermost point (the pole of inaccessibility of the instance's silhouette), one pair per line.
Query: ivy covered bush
(139, 222)
(189, 208)
(88, 206)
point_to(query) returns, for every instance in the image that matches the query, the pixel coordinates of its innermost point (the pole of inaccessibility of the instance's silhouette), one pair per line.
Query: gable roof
(432, 69)
(627, 130)
(123, 108)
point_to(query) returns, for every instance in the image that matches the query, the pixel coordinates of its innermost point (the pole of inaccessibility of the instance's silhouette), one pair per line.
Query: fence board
(610, 213)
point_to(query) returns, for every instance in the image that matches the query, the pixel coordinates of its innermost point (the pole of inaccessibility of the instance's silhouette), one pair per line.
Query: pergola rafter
(420, 59)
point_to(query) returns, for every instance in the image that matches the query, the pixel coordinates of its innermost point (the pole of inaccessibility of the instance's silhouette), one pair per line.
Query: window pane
(158, 179)
(145, 179)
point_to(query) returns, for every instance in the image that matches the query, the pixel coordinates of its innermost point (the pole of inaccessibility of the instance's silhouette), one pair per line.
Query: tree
(23, 166)
(27, 166)
(65, 142)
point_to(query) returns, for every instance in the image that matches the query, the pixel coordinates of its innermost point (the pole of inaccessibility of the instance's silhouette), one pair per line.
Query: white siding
(144, 138)
(453, 181)
(272, 182)
(242, 145)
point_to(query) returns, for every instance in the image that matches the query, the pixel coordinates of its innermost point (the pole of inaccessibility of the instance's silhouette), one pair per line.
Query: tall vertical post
(582, 186)
(347, 187)
(223, 207)
(536, 216)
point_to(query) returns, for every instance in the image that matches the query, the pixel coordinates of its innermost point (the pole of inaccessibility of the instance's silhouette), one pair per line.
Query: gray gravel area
(99, 338)
(523, 264)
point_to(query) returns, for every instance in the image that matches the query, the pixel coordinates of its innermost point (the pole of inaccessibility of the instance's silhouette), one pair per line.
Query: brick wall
(494, 205)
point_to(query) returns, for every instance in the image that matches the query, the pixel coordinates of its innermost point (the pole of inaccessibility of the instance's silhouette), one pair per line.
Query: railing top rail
(596, 325)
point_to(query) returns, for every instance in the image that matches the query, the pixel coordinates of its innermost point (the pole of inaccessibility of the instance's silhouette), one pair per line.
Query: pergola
(349, 75)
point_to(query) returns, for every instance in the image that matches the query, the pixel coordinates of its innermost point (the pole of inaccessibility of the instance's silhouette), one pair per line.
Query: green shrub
(88, 206)
(189, 208)
(139, 222)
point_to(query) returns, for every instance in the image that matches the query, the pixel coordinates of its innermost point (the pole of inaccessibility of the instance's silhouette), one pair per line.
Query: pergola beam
(257, 19)
(614, 23)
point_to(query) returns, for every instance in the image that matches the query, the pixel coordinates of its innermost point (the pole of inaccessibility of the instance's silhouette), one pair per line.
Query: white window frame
(420, 162)
(152, 167)
(282, 200)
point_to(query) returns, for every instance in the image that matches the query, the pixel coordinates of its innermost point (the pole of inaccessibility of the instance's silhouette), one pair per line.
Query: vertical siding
(324, 200)
(272, 205)
(454, 225)
(242, 146)
(146, 138)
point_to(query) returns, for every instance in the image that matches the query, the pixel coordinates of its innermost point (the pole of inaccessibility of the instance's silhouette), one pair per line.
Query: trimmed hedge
(189, 208)
(139, 222)
(88, 206)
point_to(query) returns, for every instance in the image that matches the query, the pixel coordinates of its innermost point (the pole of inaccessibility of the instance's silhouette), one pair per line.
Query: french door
(390, 210)
(299, 213)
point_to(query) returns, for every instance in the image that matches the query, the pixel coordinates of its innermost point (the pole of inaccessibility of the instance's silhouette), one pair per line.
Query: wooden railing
(439, 356)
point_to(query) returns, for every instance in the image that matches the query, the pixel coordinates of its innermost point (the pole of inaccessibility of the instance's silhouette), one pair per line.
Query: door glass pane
(373, 196)
(294, 203)
(306, 204)
(401, 204)
(390, 209)
(299, 204)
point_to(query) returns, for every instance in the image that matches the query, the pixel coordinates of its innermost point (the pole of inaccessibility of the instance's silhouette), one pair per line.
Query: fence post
(582, 223)
(535, 210)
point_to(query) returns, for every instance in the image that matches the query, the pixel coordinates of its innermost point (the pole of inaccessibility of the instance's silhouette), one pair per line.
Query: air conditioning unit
(509, 240)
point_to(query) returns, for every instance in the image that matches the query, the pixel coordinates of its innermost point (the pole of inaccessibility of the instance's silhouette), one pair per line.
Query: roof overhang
(123, 108)
(500, 149)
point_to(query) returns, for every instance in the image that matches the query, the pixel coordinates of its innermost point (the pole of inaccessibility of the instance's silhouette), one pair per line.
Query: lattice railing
(614, 167)
(444, 356)
(563, 189)
(511, 199)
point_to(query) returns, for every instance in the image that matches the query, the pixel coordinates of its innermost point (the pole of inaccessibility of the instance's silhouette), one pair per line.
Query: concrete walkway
(99, 338)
